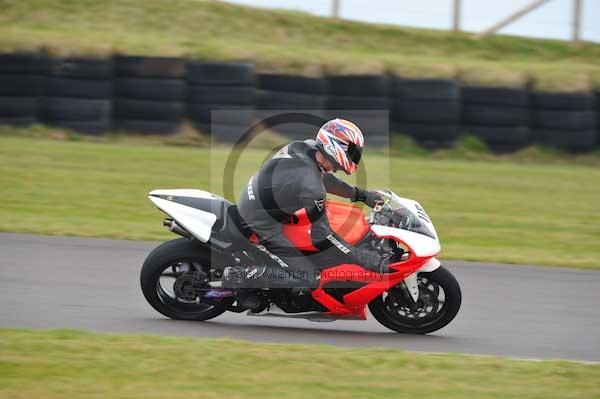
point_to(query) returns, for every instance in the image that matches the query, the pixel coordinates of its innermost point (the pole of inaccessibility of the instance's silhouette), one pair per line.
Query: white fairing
(421, 245)
(416, 231)
(199, 223)
(412, 282)
(430, 265)
(184, 192)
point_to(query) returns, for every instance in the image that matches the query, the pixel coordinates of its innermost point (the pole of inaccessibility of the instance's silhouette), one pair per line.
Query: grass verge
(75, 364)
(484, 210)
(296, 42)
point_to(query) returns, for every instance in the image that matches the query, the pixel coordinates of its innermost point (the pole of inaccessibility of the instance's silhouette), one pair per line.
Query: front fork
(411, 282)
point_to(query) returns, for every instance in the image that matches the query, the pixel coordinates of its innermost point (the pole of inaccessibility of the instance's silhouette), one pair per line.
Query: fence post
(456, 20)
(576, 25)
(335, 9)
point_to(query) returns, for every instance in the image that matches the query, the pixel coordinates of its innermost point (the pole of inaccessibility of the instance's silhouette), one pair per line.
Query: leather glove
(371, 198)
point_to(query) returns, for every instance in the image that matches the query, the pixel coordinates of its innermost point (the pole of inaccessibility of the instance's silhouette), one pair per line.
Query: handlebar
(384, 214)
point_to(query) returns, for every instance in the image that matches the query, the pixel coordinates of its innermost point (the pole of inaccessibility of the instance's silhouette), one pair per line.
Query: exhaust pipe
(175, 228)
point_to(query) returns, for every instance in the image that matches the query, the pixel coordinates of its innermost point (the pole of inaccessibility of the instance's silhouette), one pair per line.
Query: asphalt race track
(93, 284)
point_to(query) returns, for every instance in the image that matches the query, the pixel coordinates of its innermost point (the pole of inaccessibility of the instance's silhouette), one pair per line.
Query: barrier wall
(155, 95)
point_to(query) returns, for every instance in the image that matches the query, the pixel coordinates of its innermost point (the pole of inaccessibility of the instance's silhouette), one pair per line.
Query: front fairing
(406, 221)
(409, 214)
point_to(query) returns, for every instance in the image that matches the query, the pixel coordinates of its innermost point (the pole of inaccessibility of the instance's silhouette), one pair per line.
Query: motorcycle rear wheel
(439, 301)
(167, 260)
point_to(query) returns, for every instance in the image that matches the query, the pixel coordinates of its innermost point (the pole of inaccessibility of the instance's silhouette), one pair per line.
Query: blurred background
(486, 112)
(94, 68)
(554, 20)
(199, 74)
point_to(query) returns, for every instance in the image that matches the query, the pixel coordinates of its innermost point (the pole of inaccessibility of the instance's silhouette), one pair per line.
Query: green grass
(73, 364)
(486, 209)
(289, 41)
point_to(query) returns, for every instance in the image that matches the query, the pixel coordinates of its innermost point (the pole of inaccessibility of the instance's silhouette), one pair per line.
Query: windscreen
(408, 214)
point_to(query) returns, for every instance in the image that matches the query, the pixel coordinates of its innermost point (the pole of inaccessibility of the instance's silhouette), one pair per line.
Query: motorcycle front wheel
(439, 301)
(167, 280)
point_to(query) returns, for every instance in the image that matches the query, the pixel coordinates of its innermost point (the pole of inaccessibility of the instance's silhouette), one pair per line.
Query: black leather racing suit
(288, 182)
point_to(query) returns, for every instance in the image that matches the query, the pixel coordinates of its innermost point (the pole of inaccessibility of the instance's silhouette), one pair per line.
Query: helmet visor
(354, 152)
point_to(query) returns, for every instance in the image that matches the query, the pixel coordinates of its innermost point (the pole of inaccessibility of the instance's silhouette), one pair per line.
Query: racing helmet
(341, 142)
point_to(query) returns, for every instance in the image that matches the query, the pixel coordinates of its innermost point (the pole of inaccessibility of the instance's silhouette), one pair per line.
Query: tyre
(149, 110)
(143, 126)
(221, 73)
(489, 95)
(82, 68)
(358, 103)
(443, 133)
(233, 95)
(302, 126)
(504, 148)
(435, 144)
(439, 301)
(79, 88)
(89, 127)
(150, 89)
(565, 120)
(224, 133)
(149, 67)
(381, 140)
(297, 131)
(18, 107)
(563, 101)
(76, 109)
(513, 135)
(358, 85)
(372, 123)
(20, 85)
(427, 111)
(292, 83)
(163, 283)
(425, 89)
(23, 63)
(568, 140)
(233, 114)
(16, 121)
(495, 115)
(283, 100)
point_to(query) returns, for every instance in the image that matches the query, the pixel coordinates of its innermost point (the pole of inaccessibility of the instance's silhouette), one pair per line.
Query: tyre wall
(150, 94)
(221, 97)
(597, 101)
(426, 109)
(497, 115)
(565, 120)
(22, 80)
(361, 99)
(290, 93)
(78, 94)
(154, 95)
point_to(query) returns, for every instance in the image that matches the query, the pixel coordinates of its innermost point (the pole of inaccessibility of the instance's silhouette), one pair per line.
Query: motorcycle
(415, 294)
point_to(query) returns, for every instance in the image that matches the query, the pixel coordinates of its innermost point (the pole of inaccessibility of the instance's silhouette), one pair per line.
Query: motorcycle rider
(298, 177)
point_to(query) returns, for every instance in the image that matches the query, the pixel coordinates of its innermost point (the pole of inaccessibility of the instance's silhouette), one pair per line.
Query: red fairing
(354, 303)
(349, 222)
(346, 220)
